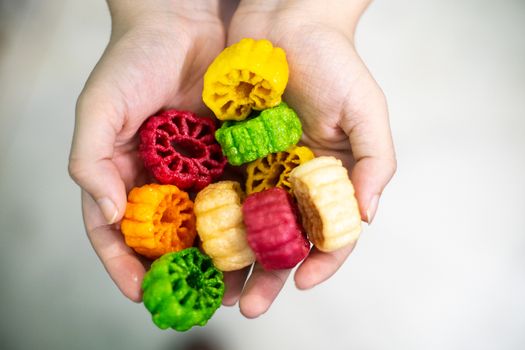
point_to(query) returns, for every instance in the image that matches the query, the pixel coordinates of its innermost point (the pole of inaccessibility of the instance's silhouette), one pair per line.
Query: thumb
(367, 126)
(91, 159)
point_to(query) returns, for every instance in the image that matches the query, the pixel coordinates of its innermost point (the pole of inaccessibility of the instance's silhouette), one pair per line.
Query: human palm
(142, 71)
(341, 107)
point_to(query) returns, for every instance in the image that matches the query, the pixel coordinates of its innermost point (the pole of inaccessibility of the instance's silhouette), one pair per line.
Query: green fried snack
(182, 289)
(273, 130)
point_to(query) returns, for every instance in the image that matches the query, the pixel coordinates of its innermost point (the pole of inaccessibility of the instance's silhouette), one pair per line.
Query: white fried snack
(327, 203)
(218, 211)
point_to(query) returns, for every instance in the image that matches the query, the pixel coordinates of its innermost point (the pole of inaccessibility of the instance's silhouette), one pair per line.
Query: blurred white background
(442, 267)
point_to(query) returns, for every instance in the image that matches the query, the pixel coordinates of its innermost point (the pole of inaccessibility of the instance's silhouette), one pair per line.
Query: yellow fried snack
(159, 219)
(251, 74)
(220, 225)
(274, 169)
(326, 200)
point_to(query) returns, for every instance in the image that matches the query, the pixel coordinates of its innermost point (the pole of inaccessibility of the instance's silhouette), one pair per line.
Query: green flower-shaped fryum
(182, 289)
(273, 130)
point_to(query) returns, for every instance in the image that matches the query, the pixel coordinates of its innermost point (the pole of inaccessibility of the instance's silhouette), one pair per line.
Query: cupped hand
(343, 111)
(156, 57)
(156, 60)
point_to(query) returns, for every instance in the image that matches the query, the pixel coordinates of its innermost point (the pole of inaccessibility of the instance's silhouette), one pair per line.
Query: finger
(91, 159)
(234, 282)
(121, 263)
(367, 126)
(320, 266)
(261, 290)
(117, 98)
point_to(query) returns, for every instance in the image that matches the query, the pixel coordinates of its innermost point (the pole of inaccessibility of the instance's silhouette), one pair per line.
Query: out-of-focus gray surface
(442, 267)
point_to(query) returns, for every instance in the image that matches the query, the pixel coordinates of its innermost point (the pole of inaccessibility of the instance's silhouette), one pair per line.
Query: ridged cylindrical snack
(326, 200)
(251, 74)
(273, 130)
(159, 219)
(179, 148)
(274, 230)
(220, 226)
(274, 169)
(182, 290)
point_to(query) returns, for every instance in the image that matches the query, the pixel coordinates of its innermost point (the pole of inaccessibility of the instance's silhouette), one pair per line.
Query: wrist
(127, 14)
(339, 14)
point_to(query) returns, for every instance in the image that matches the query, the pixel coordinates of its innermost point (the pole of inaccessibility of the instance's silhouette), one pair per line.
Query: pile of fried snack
(289, 199)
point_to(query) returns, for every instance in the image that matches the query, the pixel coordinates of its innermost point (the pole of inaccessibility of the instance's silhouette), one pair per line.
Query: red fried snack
(274, 231)
(179, 148)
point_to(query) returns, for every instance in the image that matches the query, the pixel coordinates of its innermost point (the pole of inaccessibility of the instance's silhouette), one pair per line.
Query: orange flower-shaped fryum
(159, 219)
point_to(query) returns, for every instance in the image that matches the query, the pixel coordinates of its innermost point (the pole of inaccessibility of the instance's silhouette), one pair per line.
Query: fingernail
(109, 209)
(372, 208)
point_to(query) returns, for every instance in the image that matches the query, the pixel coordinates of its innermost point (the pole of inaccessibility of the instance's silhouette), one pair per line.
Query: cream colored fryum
(218, 211)
(326, 200)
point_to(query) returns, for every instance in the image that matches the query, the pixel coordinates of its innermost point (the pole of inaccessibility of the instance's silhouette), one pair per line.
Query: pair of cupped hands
(156, 58)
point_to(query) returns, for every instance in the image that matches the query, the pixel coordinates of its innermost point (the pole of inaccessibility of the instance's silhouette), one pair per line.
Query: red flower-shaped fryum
(273, 229)
(179, 148)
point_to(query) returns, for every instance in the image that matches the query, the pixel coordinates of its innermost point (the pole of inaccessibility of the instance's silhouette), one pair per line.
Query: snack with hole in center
(159, 219)
(325, 196)
(182, 290)
(274, 230)
(179, 148)
(251, 74)
(272, 130)
(274, 169)
(220, 227)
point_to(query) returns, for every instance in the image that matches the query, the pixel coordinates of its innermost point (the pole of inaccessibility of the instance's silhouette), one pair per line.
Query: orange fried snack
(274, 169)
(159, 219)
(220, 226)
(326, 200)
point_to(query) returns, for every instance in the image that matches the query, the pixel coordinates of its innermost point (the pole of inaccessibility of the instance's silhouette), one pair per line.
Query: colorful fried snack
(182, 290)
(274, 169)
(220, 227)
(179, 148)
(251, 74)
(274, 230)
(273, 130)
(159, 219)
(326, 200)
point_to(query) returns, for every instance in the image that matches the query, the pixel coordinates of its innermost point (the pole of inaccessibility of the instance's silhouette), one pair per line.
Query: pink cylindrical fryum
(273, 229)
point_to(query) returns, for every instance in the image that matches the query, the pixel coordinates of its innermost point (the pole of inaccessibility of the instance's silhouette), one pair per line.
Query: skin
(156, 57)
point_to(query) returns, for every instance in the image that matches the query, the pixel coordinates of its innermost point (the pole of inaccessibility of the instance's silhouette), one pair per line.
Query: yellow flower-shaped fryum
(326, 200)
(251, 74)
(274, 169)
(220, 225)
